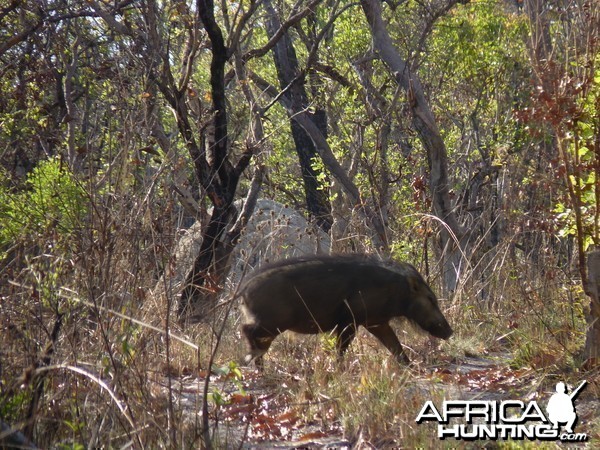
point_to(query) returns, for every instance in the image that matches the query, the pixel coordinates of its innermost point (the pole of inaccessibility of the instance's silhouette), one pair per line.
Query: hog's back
(309, 296)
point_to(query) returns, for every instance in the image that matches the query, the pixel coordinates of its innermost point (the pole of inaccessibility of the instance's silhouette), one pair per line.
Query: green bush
(52, 200)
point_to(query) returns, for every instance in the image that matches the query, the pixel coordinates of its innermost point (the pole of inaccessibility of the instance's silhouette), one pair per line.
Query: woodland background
(461, 136)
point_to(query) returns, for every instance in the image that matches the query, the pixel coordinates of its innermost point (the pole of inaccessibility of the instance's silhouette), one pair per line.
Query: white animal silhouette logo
(560, 406)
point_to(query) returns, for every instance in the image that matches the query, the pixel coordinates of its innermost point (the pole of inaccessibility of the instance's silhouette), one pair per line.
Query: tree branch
(290, 22)
(328, 158)
(422, 116)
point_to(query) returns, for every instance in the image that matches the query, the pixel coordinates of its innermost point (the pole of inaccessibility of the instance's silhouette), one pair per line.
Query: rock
(274, 231)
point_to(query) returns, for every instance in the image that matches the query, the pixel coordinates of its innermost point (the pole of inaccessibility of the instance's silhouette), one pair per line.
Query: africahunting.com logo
(507, 419)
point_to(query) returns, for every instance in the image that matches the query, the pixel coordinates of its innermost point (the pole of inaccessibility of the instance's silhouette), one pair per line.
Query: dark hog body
(317, 294)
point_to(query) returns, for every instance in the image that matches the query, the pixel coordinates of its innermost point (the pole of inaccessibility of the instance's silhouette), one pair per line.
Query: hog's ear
(413, 283)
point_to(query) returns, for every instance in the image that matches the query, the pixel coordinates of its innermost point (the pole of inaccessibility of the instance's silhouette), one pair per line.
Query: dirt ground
(257, 412)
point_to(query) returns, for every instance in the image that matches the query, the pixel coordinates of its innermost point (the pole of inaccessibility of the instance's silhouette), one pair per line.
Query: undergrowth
(92, 357)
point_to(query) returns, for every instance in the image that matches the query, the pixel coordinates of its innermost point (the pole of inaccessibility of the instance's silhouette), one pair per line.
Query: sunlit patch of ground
(255, 410)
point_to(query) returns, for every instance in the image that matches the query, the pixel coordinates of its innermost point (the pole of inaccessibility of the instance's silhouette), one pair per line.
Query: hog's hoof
(255, 360)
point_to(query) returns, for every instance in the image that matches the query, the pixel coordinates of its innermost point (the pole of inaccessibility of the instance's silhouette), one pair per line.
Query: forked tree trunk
(215, 171)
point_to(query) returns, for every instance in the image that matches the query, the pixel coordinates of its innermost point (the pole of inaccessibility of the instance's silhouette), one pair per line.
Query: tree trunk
(423, 120)
(591, 352)
(379, 235)
(293, 82)
(217, 176)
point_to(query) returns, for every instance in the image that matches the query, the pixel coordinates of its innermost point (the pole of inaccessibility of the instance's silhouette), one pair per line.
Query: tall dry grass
(91, 358)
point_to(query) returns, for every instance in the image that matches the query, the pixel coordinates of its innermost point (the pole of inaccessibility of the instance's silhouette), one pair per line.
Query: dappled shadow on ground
(257, 411)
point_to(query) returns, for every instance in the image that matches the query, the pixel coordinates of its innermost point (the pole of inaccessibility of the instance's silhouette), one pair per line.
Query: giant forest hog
(315, 294)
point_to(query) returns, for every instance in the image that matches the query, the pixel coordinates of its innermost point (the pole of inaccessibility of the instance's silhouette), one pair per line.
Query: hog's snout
(441, 330)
